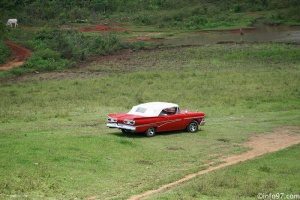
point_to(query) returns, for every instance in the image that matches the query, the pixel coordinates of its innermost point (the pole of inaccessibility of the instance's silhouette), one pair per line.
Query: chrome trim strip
(121, 126)
(200, 117)
(127, 127)
(161, 123)
(168, 122)
(112, 125)
(202, 123)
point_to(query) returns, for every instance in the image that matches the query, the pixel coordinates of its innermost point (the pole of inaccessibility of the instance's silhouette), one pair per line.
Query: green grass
(277, 173)
(55, 144)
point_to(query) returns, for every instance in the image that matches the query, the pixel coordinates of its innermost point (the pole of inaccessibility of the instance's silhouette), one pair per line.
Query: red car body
(156, 117)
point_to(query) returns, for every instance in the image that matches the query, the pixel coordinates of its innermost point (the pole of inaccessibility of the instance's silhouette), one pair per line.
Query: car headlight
(111, 119)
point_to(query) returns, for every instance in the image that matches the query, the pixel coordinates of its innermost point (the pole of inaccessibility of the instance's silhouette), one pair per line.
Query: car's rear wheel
(193, 126)
(150, 132)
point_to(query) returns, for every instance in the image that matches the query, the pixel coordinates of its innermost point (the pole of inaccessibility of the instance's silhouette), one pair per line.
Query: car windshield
(169, 111)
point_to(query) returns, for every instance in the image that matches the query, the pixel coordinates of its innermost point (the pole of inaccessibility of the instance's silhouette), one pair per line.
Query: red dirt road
(21, 55)
(100, 28)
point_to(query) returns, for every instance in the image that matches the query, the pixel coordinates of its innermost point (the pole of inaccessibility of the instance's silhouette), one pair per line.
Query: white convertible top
(151, 109)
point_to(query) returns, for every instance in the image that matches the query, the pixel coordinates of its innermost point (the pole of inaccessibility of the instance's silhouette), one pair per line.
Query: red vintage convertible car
(156, 117)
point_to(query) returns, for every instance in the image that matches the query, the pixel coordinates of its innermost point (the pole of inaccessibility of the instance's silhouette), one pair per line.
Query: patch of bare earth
(101, 28)
(21, 55)
(260, 144)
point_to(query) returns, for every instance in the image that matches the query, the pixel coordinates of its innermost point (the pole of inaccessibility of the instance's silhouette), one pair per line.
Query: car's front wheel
(150, 132)
(193, 126)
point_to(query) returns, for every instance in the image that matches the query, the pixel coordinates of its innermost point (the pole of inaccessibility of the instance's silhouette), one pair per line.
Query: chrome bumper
(121, 126)
(202, 123)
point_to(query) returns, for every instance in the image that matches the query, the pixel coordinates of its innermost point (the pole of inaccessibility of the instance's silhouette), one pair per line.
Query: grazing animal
(10, 22)
(241, 31)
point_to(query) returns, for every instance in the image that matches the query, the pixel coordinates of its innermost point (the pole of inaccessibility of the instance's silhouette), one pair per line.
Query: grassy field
(276, 174)
(54, 140)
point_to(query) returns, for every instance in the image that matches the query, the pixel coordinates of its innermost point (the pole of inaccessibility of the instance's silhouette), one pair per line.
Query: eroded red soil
(21, 55)
(106, 28)
(100, 28)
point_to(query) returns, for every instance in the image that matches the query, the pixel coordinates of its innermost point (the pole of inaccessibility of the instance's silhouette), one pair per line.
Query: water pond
(257, 33)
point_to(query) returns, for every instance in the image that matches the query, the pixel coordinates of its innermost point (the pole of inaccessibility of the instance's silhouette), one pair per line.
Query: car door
(174, 120)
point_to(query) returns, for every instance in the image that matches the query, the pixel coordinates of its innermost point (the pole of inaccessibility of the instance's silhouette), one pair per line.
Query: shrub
(143, 19)
(56, 49)
(46, 60)
(17, 71)
(47, 54)
(4, 52)
(3, 30)
(139, 45)
(74, 45)
(103, 45)
(237, 8)
(290, 14)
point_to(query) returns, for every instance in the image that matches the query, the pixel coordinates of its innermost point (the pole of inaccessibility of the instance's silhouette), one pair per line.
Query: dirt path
(19, 52)
(261, 144)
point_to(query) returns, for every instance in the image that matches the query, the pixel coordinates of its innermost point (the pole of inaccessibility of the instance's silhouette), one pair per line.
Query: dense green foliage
(55, 49)
(216, 14)
(4, 52)
(178, 13)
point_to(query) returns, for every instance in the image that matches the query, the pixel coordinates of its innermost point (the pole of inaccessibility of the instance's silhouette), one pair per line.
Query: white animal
(10, 22)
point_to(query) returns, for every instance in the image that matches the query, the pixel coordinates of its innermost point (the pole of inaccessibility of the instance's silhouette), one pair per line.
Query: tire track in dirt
(19, 52)
(260, 144)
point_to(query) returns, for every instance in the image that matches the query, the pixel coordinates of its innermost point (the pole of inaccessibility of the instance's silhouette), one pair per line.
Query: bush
(48, 54)
(17, 71)
(104, 45)
(39, 64)
(237, 8)
(291, 15)
(4, 53)
(3, 31)
(74, 45)
(143, 19)
(56, 49)
(46, 60)
(139, 45)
